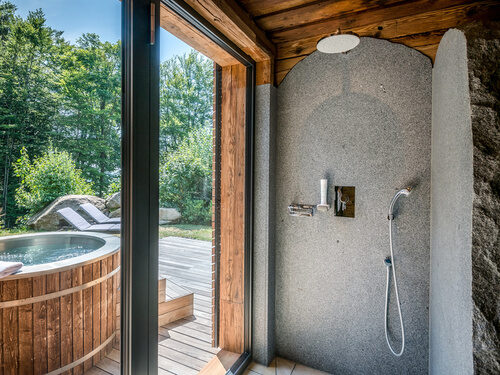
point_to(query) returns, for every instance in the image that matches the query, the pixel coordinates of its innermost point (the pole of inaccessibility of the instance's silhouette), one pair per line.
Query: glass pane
(60, 134)
(186, 270)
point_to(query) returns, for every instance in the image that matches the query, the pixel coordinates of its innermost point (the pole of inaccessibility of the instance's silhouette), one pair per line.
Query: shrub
(46, 178)
(185, 177)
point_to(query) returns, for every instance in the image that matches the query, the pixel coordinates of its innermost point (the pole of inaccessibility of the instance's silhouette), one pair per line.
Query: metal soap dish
(296, 209)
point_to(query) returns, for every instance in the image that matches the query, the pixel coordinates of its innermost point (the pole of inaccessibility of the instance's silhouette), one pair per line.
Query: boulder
(49, 219)
(116, 213)
(114, 201)
(169, 215)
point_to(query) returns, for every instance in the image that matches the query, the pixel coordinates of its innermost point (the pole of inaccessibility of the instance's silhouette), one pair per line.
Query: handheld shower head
(405, 192)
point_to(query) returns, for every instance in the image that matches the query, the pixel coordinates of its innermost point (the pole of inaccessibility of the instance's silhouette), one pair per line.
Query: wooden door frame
(188, 14)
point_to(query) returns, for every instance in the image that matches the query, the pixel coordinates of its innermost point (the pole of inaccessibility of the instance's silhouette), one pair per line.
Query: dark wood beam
(231, 20)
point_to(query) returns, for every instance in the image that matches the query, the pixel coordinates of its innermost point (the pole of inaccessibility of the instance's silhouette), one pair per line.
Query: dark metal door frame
(140, 127)
(139, 232)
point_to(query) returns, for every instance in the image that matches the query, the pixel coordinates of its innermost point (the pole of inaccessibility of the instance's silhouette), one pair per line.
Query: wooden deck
(184, 346)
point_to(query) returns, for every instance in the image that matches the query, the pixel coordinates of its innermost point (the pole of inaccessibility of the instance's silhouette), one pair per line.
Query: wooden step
(177, 304)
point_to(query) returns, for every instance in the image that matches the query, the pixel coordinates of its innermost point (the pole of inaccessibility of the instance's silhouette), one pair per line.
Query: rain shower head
(338, 42)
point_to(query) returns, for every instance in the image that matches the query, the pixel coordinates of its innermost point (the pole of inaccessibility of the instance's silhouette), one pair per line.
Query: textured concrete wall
(451, 211)
(483, 54)
(263, 240)
(363, 119)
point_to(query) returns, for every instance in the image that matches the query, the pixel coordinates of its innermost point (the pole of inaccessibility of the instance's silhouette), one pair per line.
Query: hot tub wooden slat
(109, 314)
(57, 323)
(87, 315)
(25, 290)
(77, 275)
(96, 310)
(104, 302)
(53, 324)
(66, 302)
(40, 327)
(10, 331)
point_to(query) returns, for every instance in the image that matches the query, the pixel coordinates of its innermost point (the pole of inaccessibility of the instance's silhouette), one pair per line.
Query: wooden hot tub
(59, 317)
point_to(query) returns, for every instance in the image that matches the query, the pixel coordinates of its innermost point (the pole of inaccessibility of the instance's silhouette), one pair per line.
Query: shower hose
(390, 265)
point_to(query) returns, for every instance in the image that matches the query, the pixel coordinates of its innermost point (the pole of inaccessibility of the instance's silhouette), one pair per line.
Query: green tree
(185, 177)
(186, 91)
(89, 122)
(48, 177)
(29, 51)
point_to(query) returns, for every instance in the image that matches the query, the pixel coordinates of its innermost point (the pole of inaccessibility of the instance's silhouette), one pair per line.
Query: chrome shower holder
(298, 209)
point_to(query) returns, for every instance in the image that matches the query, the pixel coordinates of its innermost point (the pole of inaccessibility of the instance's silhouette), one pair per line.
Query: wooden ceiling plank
(428, 50)
(287, 64)
(231, 20)
(376, 16)
(262, 7)
(178, 27)
(396, 28)
(422, 39)
(317, 12)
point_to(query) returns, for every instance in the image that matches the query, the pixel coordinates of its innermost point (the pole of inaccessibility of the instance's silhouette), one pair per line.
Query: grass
(12, 232)
(196, 232)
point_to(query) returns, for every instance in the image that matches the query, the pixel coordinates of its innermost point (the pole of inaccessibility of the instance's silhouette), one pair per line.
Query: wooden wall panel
(232, 260)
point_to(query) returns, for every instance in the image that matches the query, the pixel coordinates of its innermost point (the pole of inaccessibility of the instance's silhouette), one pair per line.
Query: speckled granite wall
(263, 228)
(483, 53)
(451, 211)
(362, 119)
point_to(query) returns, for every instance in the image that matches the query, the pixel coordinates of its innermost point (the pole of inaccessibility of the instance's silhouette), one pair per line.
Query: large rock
(49, 219)
(114, 201)
(169, 215)
(116, 213)
(483, 52)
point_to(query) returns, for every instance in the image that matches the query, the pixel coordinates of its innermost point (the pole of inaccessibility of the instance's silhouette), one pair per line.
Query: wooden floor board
(184, 346)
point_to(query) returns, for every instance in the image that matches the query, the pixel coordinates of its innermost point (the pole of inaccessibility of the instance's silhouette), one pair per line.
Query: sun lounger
(78, 222)
(97, 214)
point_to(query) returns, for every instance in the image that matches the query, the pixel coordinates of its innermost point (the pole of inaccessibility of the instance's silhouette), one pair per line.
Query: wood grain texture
(77, 316)
(40, 327)
(53, 324)
(264, 72)
(319, 11)
(10, 329)
(230, 19)
(262, 7)
(87, 315)
(232, 241)
(177, 26)
(25, 290)
(49, 333)
(66, 303)
(296, 26)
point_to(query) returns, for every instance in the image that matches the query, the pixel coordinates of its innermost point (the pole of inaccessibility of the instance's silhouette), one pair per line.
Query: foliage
(185, 177)
(53, 92)
(195, 232)
(29, 65)
(89, 120)
(46, 178)
(186, 90)
(115, 186)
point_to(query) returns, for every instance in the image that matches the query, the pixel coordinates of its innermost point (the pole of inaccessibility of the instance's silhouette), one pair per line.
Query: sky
(102, 17)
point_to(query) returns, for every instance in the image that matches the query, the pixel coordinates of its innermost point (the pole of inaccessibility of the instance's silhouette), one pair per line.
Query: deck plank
(185, 345)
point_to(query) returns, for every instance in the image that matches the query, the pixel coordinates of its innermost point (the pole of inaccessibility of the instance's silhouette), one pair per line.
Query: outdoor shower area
(378, 119)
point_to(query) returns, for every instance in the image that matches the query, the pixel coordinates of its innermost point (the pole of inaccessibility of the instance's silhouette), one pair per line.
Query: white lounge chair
(78, 222)
(97, 214)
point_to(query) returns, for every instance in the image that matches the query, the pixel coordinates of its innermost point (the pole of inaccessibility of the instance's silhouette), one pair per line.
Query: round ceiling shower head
(338, 43)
